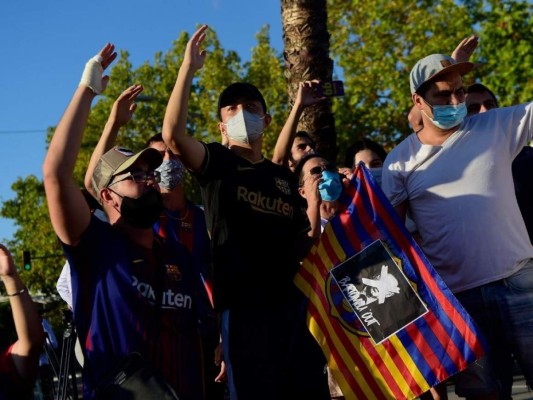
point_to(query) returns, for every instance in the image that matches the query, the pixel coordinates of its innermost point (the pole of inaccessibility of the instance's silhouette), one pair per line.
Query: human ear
(105, 196)
(268, 119)
(417, 100)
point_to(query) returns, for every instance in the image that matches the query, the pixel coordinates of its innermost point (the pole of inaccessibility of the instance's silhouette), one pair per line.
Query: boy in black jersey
(259, 233)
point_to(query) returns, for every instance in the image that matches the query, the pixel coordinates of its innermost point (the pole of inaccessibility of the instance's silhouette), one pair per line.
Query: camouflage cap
(118, 160)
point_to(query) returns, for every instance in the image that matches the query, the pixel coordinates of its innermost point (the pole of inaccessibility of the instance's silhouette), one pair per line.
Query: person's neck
(141, 237)
(250, 153)
(175, 200)
(434, 136)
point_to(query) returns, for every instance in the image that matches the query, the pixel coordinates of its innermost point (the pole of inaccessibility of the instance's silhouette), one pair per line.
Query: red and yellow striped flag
(409, 362)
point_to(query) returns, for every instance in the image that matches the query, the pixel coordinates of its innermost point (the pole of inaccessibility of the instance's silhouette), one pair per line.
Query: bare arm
(121, 113)
(310, 192)
(30, 334)
(304, 98)
(69, 212)
(175, 135)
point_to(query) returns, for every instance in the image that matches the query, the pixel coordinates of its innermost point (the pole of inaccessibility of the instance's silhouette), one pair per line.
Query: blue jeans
(503, 310)
(224, 328)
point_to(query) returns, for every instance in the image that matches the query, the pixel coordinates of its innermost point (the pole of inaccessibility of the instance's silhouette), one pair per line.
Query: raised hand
(124, 106)
(108, 55)
(93, 76)
(7, 266)
(306, 95)
(194, 54)
(465, 48)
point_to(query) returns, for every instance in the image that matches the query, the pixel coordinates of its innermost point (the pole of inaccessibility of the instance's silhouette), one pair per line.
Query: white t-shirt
(461, 196)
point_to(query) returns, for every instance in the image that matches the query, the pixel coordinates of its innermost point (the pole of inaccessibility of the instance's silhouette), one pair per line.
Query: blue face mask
(331, 187)
(376, 174)
(449, 116)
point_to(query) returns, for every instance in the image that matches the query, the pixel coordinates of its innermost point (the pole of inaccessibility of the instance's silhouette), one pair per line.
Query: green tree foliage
(505, 53)
(29, 210)
(375, 45)
(265, 71)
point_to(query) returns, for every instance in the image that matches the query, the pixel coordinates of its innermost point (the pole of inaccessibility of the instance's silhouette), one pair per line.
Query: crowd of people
(203, 296)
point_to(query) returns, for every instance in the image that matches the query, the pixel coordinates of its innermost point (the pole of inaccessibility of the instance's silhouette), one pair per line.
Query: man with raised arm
(131, 294)
(454, 176)
(259, 233)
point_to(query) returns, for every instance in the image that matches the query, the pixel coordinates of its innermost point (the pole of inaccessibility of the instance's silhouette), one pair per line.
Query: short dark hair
(480, 88)
(158, 137)
(240, 90)
(363, 144)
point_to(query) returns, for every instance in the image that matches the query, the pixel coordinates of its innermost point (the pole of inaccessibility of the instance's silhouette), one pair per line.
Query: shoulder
(402, 152)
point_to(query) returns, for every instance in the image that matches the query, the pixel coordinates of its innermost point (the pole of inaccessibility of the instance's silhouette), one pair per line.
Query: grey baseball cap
(431, 67)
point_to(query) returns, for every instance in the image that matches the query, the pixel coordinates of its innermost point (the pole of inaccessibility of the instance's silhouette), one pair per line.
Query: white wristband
(92, 74)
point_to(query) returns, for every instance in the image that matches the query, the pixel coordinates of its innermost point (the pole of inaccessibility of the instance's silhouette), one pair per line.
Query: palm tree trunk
(306, 54)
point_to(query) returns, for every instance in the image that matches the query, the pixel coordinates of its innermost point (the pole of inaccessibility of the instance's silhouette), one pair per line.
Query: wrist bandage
(92, 74)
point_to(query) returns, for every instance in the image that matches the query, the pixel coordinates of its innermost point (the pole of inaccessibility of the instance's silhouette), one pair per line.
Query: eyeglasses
(140, 177)
(319, 168)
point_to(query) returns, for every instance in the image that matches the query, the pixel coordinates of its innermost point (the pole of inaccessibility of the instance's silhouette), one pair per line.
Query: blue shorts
(503, 310)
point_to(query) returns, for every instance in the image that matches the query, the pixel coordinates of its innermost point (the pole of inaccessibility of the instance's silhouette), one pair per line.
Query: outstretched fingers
(108, 55)
(194, 54)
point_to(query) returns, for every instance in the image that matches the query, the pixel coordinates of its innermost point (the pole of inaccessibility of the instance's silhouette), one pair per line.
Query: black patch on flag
(378, 291)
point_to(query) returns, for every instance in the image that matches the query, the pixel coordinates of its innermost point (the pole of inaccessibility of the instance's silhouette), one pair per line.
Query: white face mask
(245, 127)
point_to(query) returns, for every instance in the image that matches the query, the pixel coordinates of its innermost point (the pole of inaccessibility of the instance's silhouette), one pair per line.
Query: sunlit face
(300, 148)
(229, 111)
(479, 102)
(315, 166)
(448, 91)
(369, 158)
(252, 106)
(137, 180)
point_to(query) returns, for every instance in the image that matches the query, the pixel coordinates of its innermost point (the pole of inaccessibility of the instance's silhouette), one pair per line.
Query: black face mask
(143, 211)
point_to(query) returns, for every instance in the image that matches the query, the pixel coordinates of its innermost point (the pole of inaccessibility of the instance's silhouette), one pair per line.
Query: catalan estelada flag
(440, 341)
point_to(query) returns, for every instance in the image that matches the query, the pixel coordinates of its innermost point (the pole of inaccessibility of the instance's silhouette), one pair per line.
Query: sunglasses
(319, 168)
(140, 177)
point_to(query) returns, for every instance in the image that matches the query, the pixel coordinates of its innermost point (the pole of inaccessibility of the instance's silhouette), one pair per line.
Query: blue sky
(45, 44)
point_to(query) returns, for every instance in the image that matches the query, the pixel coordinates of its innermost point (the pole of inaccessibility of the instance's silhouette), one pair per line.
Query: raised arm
(304, 98)
(30, 334)
(121, 113)
(175, 135)
(69, 212)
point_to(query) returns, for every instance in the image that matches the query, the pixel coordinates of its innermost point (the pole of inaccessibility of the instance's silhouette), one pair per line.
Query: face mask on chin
(172, 172)
(331, 187)
(245, 127)
(143, 211)
(448, 116)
